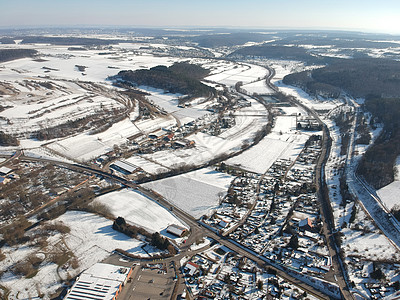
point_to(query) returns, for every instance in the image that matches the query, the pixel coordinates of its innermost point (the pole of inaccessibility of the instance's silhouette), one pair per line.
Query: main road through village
(198, 230)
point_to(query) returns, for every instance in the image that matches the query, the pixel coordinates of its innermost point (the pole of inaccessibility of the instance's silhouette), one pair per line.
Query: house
(168, 137)
(192, 268)
(223, 224)
(176, 230)
(306, 224)
(100, 281)
(4, 180)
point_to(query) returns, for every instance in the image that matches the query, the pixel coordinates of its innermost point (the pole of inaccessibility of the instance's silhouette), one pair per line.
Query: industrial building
(100, 281)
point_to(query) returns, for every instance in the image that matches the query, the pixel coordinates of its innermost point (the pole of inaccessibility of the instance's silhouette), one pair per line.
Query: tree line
(357, 77)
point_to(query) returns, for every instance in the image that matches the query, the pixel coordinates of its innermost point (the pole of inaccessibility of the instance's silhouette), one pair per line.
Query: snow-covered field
(86, 146)
(99, 64)
(207, 147)
(373, 246)
(148, 166)
(229, 73)
(91, 239)
(138, 210)
(283, 142)
(169, 102)
(389, 194)
(197, 192)
(261, 157)
(258, 87)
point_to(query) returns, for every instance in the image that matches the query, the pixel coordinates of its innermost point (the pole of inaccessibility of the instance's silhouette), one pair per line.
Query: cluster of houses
(375, 288)
(280, 212)
(220, 273)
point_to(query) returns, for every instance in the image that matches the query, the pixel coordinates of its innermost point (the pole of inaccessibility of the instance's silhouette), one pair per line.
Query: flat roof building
(124, 166)
(4, 171)
(100, 281)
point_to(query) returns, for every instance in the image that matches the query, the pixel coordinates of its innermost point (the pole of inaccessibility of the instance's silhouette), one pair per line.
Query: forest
(182, 78)
(377, 164)
(11, 54)
(271, 51)
(378, 82)
(357, 77)
(8, 140)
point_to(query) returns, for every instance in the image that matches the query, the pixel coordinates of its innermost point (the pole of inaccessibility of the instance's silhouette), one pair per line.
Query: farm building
(176, 230)
(124, 167)
(157, 134)
(101, 281)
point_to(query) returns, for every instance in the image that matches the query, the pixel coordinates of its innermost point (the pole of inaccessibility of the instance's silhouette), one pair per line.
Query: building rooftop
(5, 170)
(101, 281)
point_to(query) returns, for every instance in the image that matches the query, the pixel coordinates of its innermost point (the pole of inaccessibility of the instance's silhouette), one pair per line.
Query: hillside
(377, 164)
(376, 80)
(181, 78)
(358, 77)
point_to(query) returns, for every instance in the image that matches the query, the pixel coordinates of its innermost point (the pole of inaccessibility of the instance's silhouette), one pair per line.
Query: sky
(363, 15)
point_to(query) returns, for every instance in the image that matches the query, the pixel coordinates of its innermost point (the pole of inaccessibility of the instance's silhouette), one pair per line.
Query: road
(326, 208)
(197, 231)
(369, 200)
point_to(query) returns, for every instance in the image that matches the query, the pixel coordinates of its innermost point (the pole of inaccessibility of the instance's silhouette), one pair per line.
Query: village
(227, 183)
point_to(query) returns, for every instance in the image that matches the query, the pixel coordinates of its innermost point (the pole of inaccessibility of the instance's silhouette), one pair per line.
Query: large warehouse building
(101, 281)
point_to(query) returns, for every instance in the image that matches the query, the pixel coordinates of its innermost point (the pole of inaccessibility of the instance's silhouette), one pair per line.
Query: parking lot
(151, 282)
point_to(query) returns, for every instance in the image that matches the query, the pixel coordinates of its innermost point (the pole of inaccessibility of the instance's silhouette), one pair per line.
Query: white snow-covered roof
(192, 267)
(126, 166)
(5, 170)
(101, 281)
(176, 230)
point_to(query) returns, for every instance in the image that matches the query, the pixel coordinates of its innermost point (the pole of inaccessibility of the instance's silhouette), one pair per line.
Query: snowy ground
(63, 62)
(283, 142)
(148, 166)
(197, 192)
(389, 194)
(91, 239)
(138, 210)
(207, 147)
(229, 73)
(88, 146)
(169, 102)
(372, 246)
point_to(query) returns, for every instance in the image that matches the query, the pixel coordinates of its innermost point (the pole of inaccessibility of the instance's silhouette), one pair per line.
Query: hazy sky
(364, 15)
